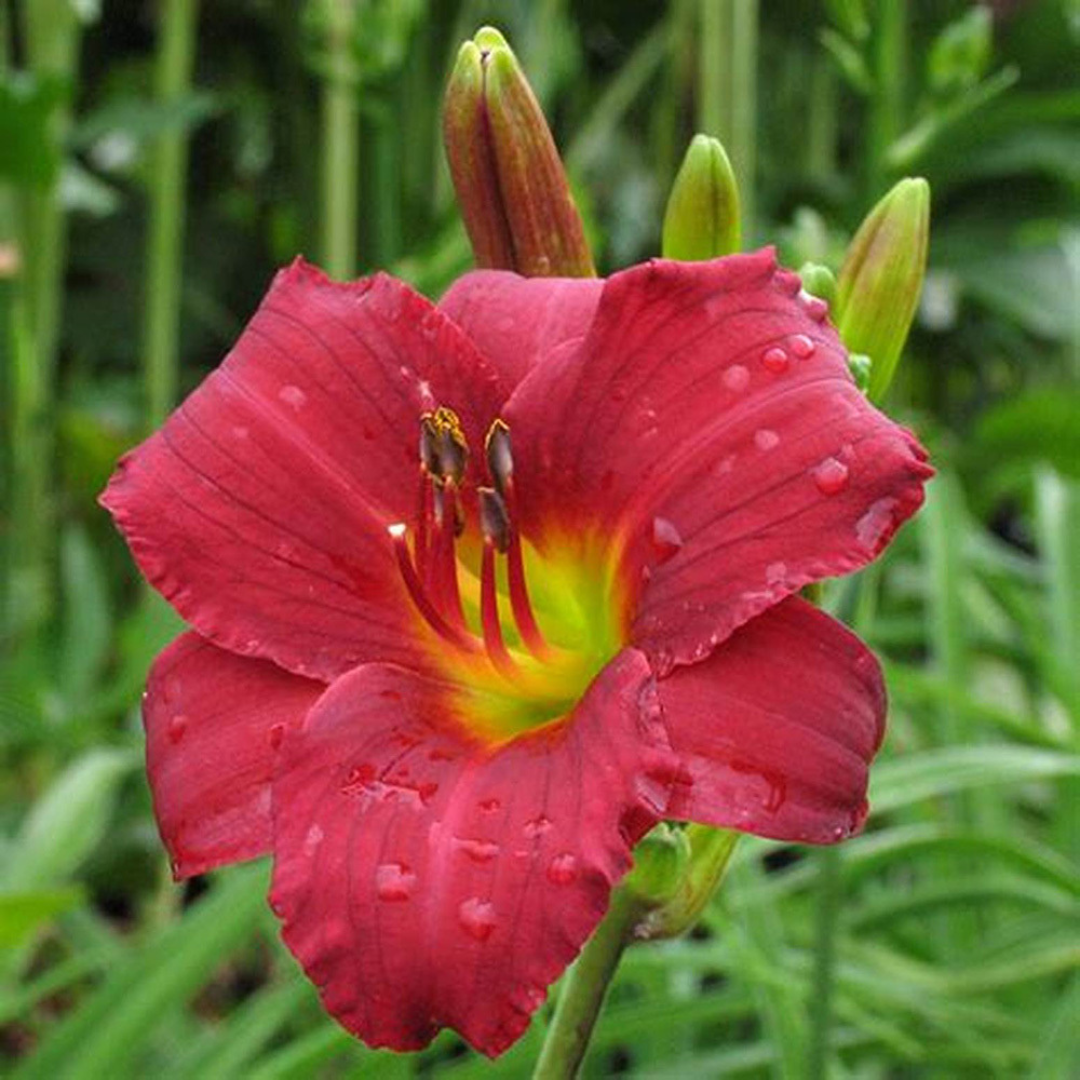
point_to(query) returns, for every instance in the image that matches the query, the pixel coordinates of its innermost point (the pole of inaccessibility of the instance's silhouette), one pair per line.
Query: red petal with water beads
(517, 321)
(260, 509)
(733, 479)
(214, 721)
(777, 727)
(427, 880)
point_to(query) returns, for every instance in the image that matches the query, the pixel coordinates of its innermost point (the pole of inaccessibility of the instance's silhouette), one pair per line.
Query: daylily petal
(517, 321)
(260, 509)
(777, 727)
(709, 423)
(426, 880)
(213, 721)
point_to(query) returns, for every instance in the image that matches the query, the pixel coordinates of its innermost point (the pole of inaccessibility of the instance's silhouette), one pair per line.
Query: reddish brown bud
(509, 178)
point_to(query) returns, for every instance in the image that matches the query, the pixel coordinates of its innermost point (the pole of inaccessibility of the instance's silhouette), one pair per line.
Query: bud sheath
(880, 281)
(509, 178)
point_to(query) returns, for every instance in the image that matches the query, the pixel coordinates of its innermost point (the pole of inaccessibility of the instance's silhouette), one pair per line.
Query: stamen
(500, 458)
(420, 545)
(443, 441)
(420, 598)
(519, 601)
(494, 518)
(443, 573)
(489, 616)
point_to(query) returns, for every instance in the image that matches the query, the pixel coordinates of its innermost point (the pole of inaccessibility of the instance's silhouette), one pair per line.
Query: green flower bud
(860, 365)
(509, 178)
(708, 852)
(702, 216)
(819, 281)
(882, 277)
(660, 862)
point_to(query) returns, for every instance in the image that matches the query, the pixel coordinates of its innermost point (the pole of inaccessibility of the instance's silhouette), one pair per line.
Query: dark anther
(494, 518)
(500, 460)
(444, 452)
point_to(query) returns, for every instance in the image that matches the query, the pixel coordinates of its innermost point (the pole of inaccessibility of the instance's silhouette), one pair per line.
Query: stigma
(429, 561)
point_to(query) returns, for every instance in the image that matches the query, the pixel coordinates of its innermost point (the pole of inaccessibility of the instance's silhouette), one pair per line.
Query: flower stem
(340, 142)
(583, 992)
(727, 92)
(35, 237)
(168, 173)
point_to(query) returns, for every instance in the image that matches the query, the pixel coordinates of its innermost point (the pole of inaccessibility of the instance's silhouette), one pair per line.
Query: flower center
(519, 655)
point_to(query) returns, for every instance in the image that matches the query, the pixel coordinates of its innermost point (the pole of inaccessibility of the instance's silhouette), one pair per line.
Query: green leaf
(21, 913)
(104, 1035)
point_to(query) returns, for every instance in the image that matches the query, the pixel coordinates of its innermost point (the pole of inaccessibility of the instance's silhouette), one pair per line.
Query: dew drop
(666, 540)
(776, 795)
(480, 851)
(293, 396)
(875, 523)
(312, 841)
(776, 573)
(536, 827)
(802, 346)
(814, 306)
(477, 917)
(775, 360)
(490, 805)
(765, 439)
(394, 882)
(177, 727)
(831, 476)
(527, 999)
(562, 869)
(277, 733)
(736, 377)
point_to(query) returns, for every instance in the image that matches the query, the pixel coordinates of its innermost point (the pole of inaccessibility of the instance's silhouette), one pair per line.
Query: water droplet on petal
(477, 917)
(666, 540)
(736, 378)
(478, 850)
(276, 735)
(313, 839)
(536, 827)
(776, 573)
(814, 306)
(777, 793)
(802, 346)
(293, 396)
(490, 805)
(775, 360)
(394, 881)
(831, 476)
(527, 999)
(177, 727)
(765, 439)
(875, 523)
(562, 869)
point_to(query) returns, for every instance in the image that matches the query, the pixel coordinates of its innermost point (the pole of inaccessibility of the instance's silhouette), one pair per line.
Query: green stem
(828, 902)
(341, 141)
(168, 175)
(727, 89)
(583, 992)
(887, 102)
(51, 35)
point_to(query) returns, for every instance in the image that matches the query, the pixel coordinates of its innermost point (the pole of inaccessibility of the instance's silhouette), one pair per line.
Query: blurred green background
(159, 158)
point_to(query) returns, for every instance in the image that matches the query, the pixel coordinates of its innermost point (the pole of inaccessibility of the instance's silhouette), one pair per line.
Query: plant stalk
(168, 178)
(583, 991)
(340, 141)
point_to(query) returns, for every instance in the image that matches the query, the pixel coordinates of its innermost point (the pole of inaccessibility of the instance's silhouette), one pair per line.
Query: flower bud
(708, 852)
(818, 281)
(882, 277)
(660, 861)
(509, 178)
(702, 216)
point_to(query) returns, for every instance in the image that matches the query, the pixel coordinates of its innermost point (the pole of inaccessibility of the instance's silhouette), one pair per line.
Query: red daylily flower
(450, 688)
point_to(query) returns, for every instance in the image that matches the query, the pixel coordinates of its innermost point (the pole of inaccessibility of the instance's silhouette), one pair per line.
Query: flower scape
(481, 592)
